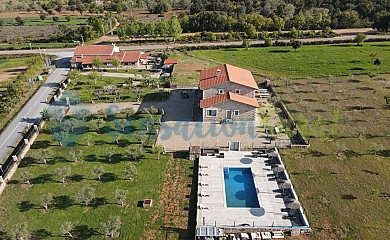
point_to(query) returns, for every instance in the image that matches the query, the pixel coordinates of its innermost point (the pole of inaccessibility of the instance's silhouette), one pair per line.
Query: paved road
(65, 52)
(31, 112)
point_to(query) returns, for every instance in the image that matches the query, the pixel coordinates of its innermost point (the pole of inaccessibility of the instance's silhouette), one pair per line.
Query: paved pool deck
(213, 208)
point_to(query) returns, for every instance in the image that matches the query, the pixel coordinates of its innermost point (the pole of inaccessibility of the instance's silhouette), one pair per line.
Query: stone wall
(246, 112)
(229, 87)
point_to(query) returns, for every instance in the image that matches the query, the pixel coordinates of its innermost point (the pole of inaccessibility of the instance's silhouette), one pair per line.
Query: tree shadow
(97, 202)
(28, 161)
(42, 179)
(40, 234)
(4, 236)
(109, 177)
(84, 232)
(76, 178)
(25, 206)
(348, 197)
(62, 202)
(350, 153)
(370, 172)
(316, 153)
(41, 144)
(92, 158)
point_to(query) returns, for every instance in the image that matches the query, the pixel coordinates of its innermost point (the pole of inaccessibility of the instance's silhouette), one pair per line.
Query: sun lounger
(266, 235)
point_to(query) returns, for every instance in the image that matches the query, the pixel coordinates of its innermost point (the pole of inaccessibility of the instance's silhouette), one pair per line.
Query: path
(31, 112)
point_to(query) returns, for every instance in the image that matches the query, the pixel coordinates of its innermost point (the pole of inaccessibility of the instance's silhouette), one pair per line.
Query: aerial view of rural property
(194, 119)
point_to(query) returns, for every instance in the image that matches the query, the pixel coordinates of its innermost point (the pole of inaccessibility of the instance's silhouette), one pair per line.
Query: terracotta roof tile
(94, 50)
(171, 61)
(204, 103)
(227, 73)
(131, 57)
(144, 56)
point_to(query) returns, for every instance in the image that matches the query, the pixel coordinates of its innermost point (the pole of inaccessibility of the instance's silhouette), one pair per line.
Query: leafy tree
(359, 39)
(74, 75)
(268, 42)
(66, 229)
(245, 43)
(81, 8)
(130, 171)
(97, 123)
(387, 99)
(60, 137)
(112, 226)
(279, 23)
(175, 27)
(68, 18)
(120, 196)
(94, 75)
(296, 44)
(86, 195)
(46, 201)
(19, 231)
(83, 113)
(70, 124)
(76, 154)
(109, 152)
(98, 171)
(63, 173)
(294, 33)
(116, 62)
(42, 16)
(97, 62)
(55, 19)
(135, 152)
(87, 139)
(127, 111)
(26, 177)
(19, 21)
(43, 153)
(158, 149)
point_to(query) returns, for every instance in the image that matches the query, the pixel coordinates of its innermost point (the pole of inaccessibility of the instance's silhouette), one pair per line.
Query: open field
(25, 46)
(117, 89)
(340, 179)
(36, 21)
(307, 61)
(21, 202)
(188, 68)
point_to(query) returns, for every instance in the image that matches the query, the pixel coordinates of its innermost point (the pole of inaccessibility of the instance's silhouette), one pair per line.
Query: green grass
(35, 46)
(22, 203)
(36, 21)
(84, 87)
(131, 71)
(308, 61)
(12, 62)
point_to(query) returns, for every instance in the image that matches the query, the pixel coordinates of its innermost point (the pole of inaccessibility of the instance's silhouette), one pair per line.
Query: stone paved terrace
(214, 210)
(180, 135)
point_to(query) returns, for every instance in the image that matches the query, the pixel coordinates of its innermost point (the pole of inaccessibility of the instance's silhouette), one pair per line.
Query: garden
(86, 175)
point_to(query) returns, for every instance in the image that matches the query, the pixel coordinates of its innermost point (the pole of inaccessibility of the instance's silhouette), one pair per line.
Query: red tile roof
(144, 56)
(94, 50)
(227, 73)
(204, 103)
(131, 57)
(171, 61)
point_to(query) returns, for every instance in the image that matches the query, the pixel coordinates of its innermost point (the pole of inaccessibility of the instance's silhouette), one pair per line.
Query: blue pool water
(240, 189)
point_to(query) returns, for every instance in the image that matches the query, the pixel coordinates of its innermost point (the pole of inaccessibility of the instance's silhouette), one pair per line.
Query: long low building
(85, 55)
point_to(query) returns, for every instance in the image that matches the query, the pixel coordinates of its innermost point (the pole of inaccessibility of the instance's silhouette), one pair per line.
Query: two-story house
(228, 92)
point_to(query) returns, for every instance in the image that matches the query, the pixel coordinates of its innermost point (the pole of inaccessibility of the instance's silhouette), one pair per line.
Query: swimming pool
(240, 189)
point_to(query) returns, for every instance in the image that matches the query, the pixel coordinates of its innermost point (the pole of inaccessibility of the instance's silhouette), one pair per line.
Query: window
(237, 91)
(221, 91)
(236, 112)
(212, 113)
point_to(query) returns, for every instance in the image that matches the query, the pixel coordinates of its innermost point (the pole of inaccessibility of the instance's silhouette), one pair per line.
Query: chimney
(82, 55)
(218, 72)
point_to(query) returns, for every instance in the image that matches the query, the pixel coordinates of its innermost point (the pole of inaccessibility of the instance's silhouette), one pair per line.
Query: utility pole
(131, 8)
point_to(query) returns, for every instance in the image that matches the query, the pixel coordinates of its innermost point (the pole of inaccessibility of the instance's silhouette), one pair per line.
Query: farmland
(339, 179)
(22, 201)
(36, 21)
(307, 61)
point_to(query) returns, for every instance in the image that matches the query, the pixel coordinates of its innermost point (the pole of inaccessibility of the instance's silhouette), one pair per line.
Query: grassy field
(12, 62)
(340, 178)
(22, 202)
(35, 46)
(85, 88)
(308, 61)
(131, 71)
(36, 21)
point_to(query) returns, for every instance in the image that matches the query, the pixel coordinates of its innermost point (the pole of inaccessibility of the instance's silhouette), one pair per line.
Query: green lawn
(131, 71)
(12, 62)
(85, 88)
(4, 47)
(36, 21)
(308, 61)
(21, 202)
